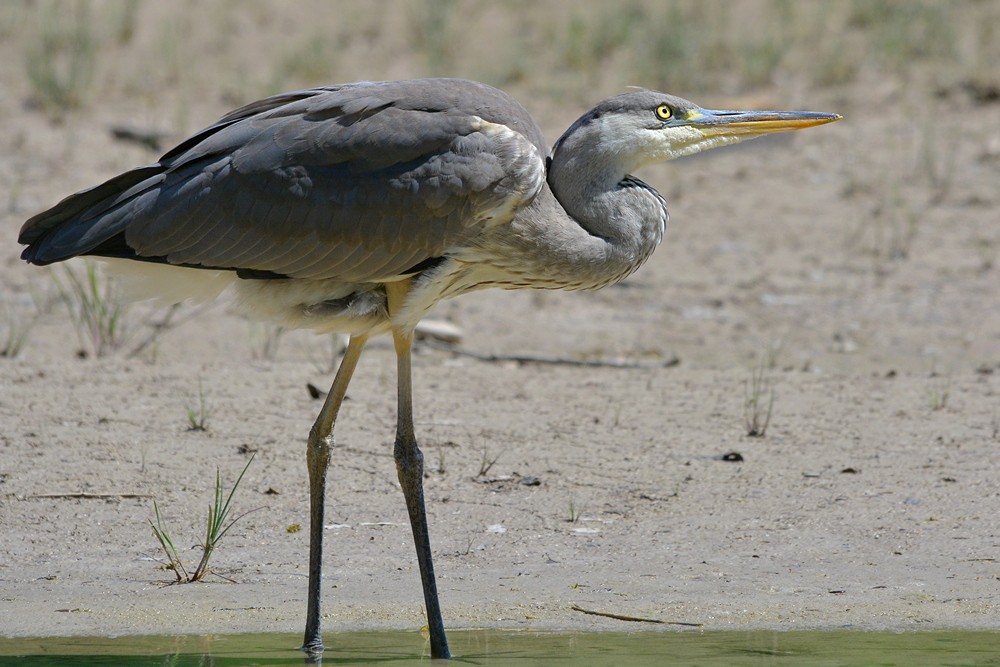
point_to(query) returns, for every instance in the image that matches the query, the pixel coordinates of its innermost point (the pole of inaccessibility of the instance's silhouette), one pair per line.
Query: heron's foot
(313, 646)
(313, 651)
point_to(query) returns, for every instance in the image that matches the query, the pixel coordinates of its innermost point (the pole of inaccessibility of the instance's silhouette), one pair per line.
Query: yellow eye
(664, 112)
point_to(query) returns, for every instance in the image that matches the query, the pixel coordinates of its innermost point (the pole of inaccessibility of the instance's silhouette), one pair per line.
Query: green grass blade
(161, 534)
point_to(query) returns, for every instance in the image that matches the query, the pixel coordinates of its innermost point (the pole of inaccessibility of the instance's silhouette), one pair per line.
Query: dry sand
(870, 292)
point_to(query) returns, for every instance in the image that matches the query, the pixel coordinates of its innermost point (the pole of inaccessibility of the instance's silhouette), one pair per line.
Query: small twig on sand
(89, 496)
(545, 359)
(636, 619)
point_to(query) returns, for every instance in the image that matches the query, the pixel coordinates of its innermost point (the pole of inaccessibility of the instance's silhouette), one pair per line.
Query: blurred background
(174, 60)
(871, 243)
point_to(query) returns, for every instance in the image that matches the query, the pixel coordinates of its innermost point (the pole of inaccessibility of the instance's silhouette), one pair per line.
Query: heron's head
(640, 128)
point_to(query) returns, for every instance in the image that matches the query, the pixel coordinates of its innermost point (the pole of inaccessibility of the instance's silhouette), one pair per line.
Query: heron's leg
(410, 468)
(317, 460)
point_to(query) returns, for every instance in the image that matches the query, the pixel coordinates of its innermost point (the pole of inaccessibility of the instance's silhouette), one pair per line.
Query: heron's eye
(664, 112)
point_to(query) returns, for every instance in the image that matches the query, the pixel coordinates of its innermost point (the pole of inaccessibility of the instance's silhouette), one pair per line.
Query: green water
(524, 649)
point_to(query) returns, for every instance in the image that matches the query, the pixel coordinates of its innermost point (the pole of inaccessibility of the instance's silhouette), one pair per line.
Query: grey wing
(357, 183)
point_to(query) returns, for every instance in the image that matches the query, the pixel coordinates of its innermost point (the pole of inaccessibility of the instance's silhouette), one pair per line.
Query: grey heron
(355, 208)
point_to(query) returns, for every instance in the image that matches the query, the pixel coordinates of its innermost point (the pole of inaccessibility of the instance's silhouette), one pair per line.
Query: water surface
(524, 649)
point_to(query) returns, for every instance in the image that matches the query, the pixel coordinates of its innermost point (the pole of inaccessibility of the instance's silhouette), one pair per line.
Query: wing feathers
(358, 182)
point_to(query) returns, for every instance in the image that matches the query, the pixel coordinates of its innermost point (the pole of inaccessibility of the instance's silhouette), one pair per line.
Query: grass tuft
(574, 512)
(758, 403)
(939, 393)
(486, 463)
(14, 333)
(97, 311)
(215, 529)
(198, 413)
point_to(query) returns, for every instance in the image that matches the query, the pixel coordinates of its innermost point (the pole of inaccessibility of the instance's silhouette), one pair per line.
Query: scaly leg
(410, 468)
(317, 460)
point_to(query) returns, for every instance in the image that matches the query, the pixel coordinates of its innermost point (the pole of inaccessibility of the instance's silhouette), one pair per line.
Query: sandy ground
(866, 287)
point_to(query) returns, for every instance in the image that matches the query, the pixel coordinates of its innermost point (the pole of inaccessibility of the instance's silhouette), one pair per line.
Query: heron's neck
(620, 219)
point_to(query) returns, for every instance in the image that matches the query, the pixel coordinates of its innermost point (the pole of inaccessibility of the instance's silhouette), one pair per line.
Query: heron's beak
(727, 123)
